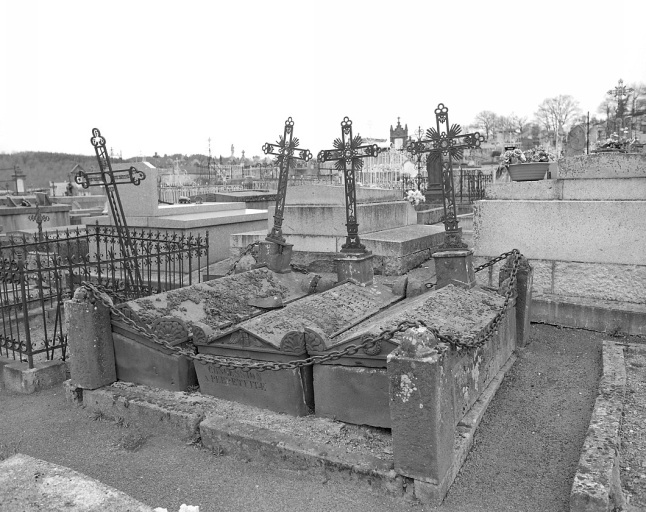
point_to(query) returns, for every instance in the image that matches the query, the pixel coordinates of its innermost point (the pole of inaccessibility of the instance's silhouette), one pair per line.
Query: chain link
(495, 260)
(248, 250)
(95, 293)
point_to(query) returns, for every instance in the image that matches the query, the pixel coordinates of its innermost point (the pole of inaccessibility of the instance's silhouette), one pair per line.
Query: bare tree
(487, 121)
(637, 98)
(554, 114)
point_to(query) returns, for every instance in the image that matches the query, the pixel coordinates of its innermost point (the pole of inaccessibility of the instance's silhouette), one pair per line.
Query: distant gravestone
(576, 141)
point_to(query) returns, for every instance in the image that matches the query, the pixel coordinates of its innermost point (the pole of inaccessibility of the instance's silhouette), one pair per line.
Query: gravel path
(524, 458)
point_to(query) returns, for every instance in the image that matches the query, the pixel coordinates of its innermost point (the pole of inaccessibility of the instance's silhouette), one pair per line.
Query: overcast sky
(161, 76)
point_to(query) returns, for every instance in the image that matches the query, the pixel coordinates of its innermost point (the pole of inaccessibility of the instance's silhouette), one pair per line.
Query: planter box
(530, 171)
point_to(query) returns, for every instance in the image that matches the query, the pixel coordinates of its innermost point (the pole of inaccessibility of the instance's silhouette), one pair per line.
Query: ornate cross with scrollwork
(284, 150)
(348, 153)
(447, 141)
(39, 218)
(109, 179)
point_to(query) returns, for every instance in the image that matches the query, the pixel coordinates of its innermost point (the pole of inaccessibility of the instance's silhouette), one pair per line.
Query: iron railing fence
(38, 274)
(469, 184)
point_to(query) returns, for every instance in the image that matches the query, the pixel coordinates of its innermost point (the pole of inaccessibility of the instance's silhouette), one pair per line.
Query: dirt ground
(524, 458)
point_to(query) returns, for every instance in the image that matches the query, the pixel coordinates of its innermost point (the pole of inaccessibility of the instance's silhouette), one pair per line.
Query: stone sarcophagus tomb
(281, 336)
(355, 388)
(184, 314)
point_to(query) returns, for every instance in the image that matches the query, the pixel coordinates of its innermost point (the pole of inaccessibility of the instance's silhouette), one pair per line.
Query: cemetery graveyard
(359, 344)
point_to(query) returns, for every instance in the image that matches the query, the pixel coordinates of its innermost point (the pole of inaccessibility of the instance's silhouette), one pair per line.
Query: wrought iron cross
(109, 179)
(447, 141)
(348, 153)
(284, 150)
(39, 218)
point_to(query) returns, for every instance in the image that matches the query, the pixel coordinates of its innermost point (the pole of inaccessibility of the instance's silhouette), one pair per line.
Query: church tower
(398, 136)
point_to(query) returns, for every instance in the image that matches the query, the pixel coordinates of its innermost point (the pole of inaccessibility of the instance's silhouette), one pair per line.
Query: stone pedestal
(92, 363)
(356, 268)
(524, 281)
(277, 257)
(454, 267)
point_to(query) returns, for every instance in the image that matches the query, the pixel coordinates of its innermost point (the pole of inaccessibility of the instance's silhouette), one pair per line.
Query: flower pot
(529, 171)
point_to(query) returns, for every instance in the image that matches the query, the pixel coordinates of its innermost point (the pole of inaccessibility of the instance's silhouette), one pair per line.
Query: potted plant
(530, 165)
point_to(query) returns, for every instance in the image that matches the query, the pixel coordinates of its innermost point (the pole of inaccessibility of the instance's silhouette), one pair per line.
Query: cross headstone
(443, 144)
(39, 218)
(285, 149)
(348, 153)
(109, 179)
(274, 252)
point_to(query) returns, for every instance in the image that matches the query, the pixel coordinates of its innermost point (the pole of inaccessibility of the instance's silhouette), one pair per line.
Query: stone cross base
(355, 268)
(454, 267)
(277, 257)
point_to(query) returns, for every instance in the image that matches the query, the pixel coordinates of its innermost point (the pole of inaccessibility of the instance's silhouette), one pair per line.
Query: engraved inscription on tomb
(235, 378)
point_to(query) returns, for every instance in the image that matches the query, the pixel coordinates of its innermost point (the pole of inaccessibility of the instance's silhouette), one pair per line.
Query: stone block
(73, 393)
(90, 344)
(286, 391)
(583, 231)
(140, 363)
(432, 388)
(352, 395)
(33, 484)
(606, 281)
(454, 267)
(603, 165)
(355, 268)
(19, 378)
(276, 257)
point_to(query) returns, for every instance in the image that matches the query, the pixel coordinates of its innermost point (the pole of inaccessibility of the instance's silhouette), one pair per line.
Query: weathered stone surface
(19, 378)
(331, 312)
(593, 189)
(626, 283)
(286, 391)
(454, 267)
(432, 387)
(603, 165)
(90, 342)
(141, 362)
(524, 282)
(594, 314)
(219, 303)
(597, 478)
(357, 269)
(276, 257)
(32, 484)
(579, 231)
(352, 395)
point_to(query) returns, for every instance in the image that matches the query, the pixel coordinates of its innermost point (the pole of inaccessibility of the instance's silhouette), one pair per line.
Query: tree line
(555, 116)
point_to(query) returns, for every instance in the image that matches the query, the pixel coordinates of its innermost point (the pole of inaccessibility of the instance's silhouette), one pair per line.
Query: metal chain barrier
(487, 332)
(248, 250)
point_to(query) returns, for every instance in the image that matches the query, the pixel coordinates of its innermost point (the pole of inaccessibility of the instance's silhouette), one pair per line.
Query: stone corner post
(421, 414)
(524, 282)
(92, 363)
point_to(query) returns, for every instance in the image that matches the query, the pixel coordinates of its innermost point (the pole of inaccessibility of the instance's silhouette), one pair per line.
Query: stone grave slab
(455, 312)
(194, 312)
(279, 335)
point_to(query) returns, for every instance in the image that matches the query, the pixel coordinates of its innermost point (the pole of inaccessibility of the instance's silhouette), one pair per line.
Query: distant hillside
(40, 168)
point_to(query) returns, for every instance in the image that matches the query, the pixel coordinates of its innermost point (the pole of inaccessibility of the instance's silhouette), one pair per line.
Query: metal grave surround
(355, 388)
(198, 311)
(279, 335)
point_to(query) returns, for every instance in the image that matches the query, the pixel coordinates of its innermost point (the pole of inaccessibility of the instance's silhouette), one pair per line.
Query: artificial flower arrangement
(414, 197)
(615, 142)
(515, 156)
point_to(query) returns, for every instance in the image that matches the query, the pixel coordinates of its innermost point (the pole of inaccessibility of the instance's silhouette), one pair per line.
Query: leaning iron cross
(109, 179)
(445, 141)
(284, 149)
(348, 153)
